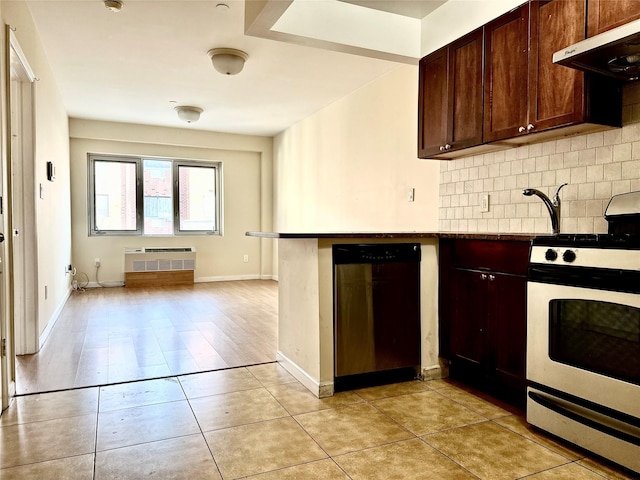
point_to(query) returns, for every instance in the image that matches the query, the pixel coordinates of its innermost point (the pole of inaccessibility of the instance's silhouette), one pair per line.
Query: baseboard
(231, 278)
(436, 372)
(320, 390)
(54, 318)
(103, 284)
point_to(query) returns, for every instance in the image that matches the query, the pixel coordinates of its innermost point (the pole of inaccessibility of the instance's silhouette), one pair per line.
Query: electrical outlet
(245, 258)
(411, 195)
(485, 203)
(96, 262)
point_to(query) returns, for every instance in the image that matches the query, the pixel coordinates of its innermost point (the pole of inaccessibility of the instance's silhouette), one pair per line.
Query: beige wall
(246, 165)
(51, 144)
(349, 167)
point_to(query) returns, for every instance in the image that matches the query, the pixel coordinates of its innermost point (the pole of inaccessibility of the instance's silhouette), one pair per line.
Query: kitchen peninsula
(305, 316)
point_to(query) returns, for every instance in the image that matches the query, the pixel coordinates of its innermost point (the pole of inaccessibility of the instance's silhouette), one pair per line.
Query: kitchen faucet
(552, 206)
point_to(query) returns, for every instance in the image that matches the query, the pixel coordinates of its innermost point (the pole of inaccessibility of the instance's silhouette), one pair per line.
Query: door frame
(19, 274)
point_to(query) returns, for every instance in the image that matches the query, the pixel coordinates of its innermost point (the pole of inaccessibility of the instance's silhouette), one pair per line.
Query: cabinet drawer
(497, 255)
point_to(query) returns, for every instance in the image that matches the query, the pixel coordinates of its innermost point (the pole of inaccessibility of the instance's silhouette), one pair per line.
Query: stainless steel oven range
(583, 336)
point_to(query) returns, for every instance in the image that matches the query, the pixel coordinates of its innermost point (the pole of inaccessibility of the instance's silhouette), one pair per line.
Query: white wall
(247, 186)
(458, 17)
(349, 167)
(51, 144)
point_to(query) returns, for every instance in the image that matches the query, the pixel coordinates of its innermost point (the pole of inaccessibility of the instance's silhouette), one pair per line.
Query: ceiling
(136, 65)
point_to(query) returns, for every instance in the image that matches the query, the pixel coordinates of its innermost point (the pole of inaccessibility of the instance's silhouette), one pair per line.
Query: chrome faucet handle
(556, 196)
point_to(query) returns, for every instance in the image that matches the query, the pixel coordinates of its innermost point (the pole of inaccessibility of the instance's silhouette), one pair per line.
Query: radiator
(149, 266)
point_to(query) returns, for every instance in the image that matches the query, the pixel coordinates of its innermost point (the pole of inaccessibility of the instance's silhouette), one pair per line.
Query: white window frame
(139, 161)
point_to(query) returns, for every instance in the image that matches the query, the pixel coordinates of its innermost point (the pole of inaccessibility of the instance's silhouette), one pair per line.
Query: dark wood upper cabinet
(525, 92)
(607, 14)
(505, 81)
(450, 98)
(556, 93)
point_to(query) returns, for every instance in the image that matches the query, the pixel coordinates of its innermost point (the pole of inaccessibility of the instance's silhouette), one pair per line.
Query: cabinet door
(432, 103)
(465, 91)
(607, 14)
(507, 343)
(468, 320)
(556, 93)
(505, 87)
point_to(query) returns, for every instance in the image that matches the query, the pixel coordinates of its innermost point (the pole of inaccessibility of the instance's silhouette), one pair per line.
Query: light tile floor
(259, 423)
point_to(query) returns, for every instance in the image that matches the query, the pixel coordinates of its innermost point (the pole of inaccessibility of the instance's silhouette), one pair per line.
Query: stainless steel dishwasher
(376, 313)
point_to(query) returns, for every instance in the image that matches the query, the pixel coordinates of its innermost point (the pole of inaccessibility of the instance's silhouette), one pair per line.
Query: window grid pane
(197, 201)
(115, 196)
(158, 211)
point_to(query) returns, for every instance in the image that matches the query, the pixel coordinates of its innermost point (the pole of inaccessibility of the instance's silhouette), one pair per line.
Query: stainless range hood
(615, 53)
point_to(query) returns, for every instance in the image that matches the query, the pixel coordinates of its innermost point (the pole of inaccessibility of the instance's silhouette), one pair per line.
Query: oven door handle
(589, 422)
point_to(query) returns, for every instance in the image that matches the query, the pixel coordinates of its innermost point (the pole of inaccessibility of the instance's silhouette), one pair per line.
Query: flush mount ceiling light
(227, 61)
(188, 113)
(113, 5)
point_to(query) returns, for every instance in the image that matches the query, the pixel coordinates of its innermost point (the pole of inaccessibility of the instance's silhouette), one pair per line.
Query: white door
(18, 280)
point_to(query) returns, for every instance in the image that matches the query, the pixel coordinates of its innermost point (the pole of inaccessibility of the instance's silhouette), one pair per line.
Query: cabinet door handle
(492, 278)
(441, 148)
(483, 276)
(530, 127)
(521, 129)
(447, 147)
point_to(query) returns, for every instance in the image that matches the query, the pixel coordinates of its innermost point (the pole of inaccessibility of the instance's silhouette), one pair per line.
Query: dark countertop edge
(524, 237)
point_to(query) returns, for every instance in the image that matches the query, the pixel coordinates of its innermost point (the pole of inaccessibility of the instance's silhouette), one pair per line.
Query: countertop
(524, 237)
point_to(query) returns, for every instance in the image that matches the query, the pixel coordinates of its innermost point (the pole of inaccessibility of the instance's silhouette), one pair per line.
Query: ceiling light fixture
(113, 5)
(227, 61)
(188, 113)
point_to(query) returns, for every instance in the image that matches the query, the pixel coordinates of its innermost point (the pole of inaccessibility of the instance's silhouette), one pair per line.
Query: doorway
(19, 277)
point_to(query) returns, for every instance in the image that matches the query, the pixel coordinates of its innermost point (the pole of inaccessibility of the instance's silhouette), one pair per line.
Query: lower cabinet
(483, 293)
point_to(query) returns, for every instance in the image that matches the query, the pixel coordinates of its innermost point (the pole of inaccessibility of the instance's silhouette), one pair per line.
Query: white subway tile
(571, 160)
(604, 154)
(595, 208)
(586, 191)
(595, 140)
(529, 165)
(535, 179)
(493, 225)
(548, 178)
(630, 133)
(587, 157)
(602, 190)
(631, 170)
(578, 175)
(595, 173)
(578, 142)
(522, 152)
(549, 148)
(503, 225)
(542, 163)
(622, 152)
(515, 225)
(535, 150)
(563, 145)
(483, 172)
(620, 186)
(613, 171)
(612, 137)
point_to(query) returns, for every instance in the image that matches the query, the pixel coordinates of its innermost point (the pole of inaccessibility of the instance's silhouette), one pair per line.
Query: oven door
(583, 363)
(585, 342)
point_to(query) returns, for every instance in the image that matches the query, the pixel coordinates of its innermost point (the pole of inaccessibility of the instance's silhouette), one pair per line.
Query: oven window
(598, 336)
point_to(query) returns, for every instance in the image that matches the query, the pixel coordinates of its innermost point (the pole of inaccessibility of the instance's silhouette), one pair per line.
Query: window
(153, 196)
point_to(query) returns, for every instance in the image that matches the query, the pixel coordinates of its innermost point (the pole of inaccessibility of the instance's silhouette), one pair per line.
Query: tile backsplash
(595, 166)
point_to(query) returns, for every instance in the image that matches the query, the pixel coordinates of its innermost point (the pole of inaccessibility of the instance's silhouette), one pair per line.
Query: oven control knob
(569, 256)
(550, 255)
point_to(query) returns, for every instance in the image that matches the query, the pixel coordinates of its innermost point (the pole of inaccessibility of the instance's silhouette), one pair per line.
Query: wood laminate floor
(111, 335)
